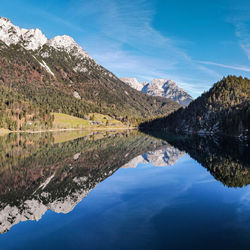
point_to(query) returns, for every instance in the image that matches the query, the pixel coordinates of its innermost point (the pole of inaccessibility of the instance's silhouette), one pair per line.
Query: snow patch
(45, 66)
(44, 185)
(76, 95)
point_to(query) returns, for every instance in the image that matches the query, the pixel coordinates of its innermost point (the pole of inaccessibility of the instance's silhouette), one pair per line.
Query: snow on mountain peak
(9, 33)
(160, 87)
(31, 39)
(67, 43)
(168, 89)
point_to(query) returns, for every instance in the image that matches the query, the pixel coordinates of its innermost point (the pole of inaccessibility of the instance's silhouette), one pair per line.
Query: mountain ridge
(162, 88)
(33, 39)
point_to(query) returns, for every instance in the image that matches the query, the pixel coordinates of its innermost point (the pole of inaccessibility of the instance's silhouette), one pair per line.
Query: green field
(4, 131)
(93, 120)
(63, 136)
(63, 121)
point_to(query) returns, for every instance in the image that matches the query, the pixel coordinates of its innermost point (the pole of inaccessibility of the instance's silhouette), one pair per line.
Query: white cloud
(126, 43)
(240, 68)
(241, 22)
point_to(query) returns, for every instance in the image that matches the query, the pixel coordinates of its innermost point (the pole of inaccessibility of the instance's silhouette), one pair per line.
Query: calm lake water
(123, 190)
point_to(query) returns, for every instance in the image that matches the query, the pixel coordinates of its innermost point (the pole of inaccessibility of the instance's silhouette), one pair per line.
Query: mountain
(224, 109)
(57, 75)
(168, 89)
(161, 87)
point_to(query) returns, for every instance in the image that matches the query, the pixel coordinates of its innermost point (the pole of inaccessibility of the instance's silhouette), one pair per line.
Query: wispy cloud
(123, 36)
(241, 22)
(243, 33)
(127, 43)
(240, 68)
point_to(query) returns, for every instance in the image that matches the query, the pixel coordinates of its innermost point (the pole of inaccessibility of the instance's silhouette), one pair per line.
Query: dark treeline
(227, 159)
(18, 112)
(224, 109)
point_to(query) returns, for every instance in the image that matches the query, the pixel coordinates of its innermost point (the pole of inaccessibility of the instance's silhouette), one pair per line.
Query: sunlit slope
(91, 121)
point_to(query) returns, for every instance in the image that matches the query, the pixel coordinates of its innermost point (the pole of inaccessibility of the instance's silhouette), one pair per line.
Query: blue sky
(195, 43)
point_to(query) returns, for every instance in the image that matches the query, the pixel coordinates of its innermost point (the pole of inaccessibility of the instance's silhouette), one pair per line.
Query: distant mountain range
(39, 76)
(224, 109)
(161, 87)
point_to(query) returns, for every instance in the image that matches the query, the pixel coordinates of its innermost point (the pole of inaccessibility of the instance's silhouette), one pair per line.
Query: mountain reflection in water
(227, 159)
(37, 173)
(55, 171)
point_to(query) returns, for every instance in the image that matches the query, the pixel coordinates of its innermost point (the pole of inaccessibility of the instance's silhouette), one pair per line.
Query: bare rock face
(160, 87)
(31, 39)
(168, 89)
(133, 83)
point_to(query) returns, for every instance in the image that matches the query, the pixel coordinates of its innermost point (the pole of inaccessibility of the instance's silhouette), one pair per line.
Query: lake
(123, 190)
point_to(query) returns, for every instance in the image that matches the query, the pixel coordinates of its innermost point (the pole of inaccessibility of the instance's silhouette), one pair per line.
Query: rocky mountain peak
(158, 81)
(155, 87)
(68, 44)
(170, 83)
(132, 82)
(5, 19)
(33, 39)
(168, 89)
(160, 87)
(143, 83)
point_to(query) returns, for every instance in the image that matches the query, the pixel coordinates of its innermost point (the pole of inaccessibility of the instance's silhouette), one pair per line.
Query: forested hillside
(18, 112)
(224, 109)
(50, 81)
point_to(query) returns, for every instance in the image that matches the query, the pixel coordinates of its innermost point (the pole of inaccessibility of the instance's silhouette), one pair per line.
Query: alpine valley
(43, 79)
(54, 84)
(134, 156)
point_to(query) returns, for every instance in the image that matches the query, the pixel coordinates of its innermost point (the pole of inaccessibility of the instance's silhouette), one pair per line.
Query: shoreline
(197, 133)
(5, 131)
